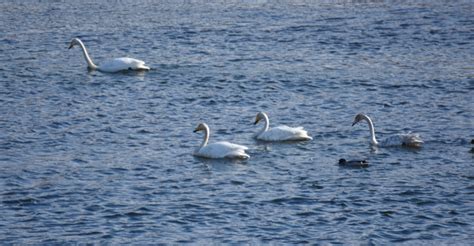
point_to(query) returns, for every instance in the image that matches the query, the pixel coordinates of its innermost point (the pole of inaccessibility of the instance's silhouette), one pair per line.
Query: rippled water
(89, 157)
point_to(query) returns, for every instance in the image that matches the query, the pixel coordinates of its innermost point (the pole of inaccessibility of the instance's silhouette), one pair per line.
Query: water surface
(88, 157)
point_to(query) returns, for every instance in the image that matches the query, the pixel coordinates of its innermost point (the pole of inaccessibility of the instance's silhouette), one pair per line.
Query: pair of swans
(230, 150)
(112, 65)
(286, 133)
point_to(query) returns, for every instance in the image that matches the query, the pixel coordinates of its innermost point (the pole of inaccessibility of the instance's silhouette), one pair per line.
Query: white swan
(112, 65)
(403, 139)
(218, 149)
(279, 133)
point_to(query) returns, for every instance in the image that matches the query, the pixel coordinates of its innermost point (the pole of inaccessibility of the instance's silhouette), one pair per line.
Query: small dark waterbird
(353, 163)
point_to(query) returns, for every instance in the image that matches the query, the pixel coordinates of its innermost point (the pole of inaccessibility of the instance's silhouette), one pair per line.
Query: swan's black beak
(195, 130)
(256, 121)
(353, 123)
(70, 46)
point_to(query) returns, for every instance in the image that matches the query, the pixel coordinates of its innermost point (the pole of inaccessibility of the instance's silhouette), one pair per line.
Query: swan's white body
(112, 65)
(402, 139)
(121, 64)
(279, 133)
(218, 149)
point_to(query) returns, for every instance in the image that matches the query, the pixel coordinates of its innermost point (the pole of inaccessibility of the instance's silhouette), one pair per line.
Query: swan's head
(74, 41)
(260, 116)
(201, 127)
(359, 117)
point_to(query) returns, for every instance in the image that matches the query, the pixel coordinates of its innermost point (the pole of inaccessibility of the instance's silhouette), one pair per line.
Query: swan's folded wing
(222, 150)
(232, 146)
(393, 140)
(282, 133)
(406, 139)
(123, 63)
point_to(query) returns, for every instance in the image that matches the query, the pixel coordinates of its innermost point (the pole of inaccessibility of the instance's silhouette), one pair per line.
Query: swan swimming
(403, 139)
(218, 149)
(112, 65)
(279, 133)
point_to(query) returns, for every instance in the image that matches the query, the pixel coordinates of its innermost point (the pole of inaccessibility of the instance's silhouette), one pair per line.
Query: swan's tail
(244, 156)
(238, 154)
(303, 135)
(143, 67)
(412, 139)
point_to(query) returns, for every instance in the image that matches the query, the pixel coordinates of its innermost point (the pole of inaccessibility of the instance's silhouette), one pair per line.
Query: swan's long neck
(206, 137)
(86, 56)
(373, 140)
(267, 124)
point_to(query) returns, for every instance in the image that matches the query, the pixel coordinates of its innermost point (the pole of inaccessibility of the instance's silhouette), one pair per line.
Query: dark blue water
(88, 157)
